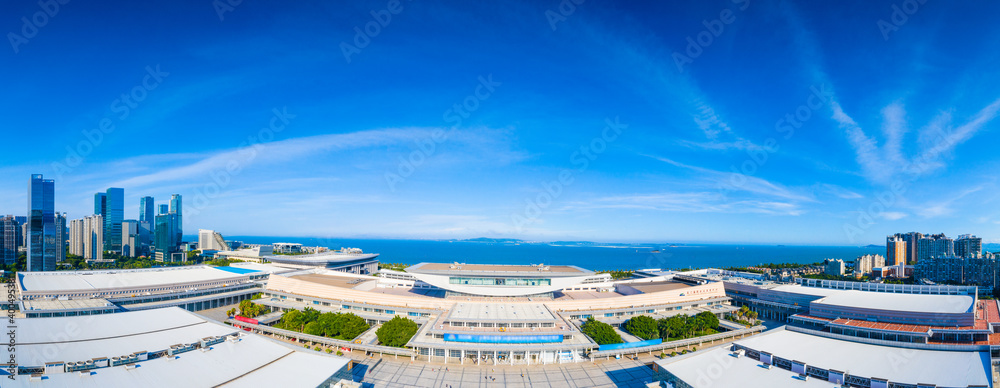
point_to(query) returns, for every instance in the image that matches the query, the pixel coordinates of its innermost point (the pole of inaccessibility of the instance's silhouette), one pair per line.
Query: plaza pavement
(389, 372)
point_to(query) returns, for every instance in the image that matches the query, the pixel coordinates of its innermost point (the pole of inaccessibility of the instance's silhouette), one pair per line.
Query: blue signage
(503, 339)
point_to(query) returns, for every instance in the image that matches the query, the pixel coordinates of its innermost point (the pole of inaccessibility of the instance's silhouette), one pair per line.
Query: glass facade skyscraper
(164, 209)
(146, 210)
(175, 208)
(41, 230)
(113, 216)
(165, 239)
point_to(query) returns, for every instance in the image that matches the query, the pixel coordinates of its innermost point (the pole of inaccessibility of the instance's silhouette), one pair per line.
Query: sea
(589, 255)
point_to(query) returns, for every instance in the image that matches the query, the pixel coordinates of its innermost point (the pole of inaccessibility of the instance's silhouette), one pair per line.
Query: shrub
(317, 348)
(328, 350)
(340, 353)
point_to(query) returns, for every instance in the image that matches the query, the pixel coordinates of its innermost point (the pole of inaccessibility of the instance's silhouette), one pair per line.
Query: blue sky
(537, 120)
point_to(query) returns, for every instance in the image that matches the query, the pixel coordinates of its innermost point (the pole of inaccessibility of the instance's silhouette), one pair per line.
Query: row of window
(500, 281)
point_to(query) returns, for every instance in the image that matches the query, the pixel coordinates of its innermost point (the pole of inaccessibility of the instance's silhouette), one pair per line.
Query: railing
(896, 344)
(679, 343)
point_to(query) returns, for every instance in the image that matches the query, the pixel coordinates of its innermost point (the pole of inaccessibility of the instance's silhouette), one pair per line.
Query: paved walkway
(389, 372)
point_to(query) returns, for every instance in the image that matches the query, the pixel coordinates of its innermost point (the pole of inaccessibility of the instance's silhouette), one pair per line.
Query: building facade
(895, 249)
(166, 241)
(866, 263)
(146, 209)
(41, 230)
(130, 238)
(8, 240)
(835, 267)
(61, 237)
(981, 271)
(968, 245)
(935, 245)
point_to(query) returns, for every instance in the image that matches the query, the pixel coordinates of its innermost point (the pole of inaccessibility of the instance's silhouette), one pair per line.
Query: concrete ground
(389, 372)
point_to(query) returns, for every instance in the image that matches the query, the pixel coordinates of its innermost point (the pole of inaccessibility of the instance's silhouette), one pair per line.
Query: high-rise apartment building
(866, 263)
(895, 250)
(910, 254)
(146, 209)
(86, 237)
(968, 245)
(76, 237)
(41, 229)
(130, 238)
(8, 240)
(93, 240)
(935, 245)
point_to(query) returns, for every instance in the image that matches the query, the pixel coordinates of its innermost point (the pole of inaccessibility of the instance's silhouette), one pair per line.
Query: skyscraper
(175, 208)
(100, 203)
(164, 209)
(146, 206)
(8, 240)
(93, 237)
(113, 216)
(165, 239)
(130, 238)
(895, 250)
(60, 237)
(76, 237)
(912, 240)
(22, 222)
(968, 246)
(41, 230)
(935, 245)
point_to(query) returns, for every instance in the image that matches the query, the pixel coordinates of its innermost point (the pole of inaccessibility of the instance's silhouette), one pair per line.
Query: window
(500, 281)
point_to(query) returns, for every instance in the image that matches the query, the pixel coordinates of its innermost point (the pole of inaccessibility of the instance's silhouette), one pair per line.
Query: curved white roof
(941, 304)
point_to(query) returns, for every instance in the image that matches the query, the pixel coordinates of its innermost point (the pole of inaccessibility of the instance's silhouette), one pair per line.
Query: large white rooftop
(942, 304)
(911, 366)
(814, 291)
(60, 281)
(717, 368)
(251, 362)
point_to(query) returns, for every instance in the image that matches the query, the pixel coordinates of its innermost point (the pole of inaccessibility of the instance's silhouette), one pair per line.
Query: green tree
(601, 332)
(643, 327)
(313, 328)
(397, 332)
(351, 326)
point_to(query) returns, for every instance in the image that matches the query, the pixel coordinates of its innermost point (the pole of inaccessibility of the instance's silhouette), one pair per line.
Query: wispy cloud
(747, 183)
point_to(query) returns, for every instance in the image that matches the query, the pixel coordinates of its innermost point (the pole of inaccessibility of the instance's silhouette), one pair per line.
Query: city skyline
(265, 113)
